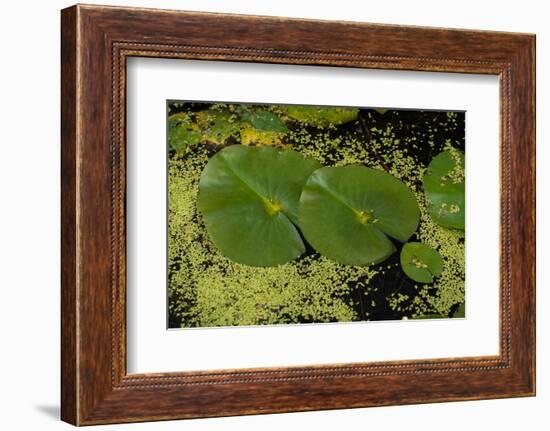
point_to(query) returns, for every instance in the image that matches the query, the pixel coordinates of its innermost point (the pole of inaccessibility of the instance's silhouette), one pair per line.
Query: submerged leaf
(421, 262)
(218, 125)
(347, 213)
(320, 116)
(444, 188)
(263, 120)
(182, 132)
(248, 197)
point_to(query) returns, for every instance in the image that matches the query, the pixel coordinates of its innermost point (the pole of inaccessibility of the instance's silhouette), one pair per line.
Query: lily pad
(348, 213)
(182, 132)
(421, 262)
(263, 120)
(444, 188)
(321, 116)
(218, 125)
(248, 197)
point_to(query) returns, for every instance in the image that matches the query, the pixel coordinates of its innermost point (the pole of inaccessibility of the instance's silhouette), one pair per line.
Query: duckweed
(207, 289)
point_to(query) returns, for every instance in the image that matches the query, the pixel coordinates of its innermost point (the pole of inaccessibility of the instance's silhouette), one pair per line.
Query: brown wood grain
(96, 41)
(68, 217)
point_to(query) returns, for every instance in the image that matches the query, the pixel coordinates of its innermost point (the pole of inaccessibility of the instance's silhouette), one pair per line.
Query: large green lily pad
(421, 262)
(444, 188)
(347, 213)
(248, 197)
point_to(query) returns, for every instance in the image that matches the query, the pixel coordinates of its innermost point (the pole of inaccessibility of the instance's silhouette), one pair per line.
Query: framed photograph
(266, 215)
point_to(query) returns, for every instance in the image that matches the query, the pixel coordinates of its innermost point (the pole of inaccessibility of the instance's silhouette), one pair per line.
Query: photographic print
(286, 214)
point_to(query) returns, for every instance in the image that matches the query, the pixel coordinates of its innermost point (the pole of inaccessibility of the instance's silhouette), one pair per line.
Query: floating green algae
(207, 289)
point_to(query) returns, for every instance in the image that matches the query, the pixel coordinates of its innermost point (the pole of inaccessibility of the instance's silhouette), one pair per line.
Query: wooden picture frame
(95, 43)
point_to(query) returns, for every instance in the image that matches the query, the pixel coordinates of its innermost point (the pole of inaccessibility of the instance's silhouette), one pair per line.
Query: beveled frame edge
(96, 41)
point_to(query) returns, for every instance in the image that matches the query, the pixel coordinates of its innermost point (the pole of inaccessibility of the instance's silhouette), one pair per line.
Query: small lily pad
(248, 197)
(444, 188)
(421, 262)
(218, 125)
(182, 132)
(263, 120)
(347, 213)
(319, 116)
